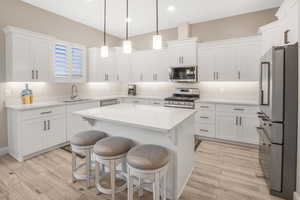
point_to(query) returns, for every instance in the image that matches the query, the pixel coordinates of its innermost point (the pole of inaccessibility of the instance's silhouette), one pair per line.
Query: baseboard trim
(3, 151)
(296, 196)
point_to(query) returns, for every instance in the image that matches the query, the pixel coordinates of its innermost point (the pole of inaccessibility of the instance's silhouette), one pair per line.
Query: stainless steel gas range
(183, 98)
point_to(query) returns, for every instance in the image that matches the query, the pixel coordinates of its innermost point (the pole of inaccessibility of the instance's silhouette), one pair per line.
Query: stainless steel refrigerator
(279, 119)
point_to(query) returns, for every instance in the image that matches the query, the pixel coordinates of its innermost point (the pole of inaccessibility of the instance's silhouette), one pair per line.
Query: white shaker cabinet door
(248, 133)
(32, 137)
(161, 66)
(248, 59)
(225, 63)
(183, 54)
(19, 59)
(56, 131)
(41, 50)
(123, 67)
(226, 127)
(206, 64)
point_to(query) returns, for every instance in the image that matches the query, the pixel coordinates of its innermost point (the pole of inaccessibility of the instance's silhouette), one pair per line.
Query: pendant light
(104, 47)
(127, 47)
(157, 39)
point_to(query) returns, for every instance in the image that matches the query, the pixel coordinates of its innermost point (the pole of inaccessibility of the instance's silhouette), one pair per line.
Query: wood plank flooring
(222, 172)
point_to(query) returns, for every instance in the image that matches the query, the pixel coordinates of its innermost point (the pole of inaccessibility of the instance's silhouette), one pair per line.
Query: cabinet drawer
(205, 117)
(83, 106)
(236, 109)
(205, 107)
(44, 112)
(205, 130)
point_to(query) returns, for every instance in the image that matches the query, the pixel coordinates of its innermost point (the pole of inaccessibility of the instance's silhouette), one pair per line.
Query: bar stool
(111, 152)
(82, 143)
(149, 163)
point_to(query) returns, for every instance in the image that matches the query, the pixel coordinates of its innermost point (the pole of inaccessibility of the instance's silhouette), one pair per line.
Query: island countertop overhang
(161, 119)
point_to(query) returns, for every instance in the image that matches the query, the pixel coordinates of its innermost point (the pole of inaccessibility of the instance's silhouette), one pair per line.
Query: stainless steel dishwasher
(108, 102)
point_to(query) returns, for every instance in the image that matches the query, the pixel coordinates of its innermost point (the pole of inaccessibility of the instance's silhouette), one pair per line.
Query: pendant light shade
(104, 47)
(127, 46)
(157, 39)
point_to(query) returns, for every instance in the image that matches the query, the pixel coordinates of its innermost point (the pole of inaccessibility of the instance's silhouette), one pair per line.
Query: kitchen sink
(75, 100)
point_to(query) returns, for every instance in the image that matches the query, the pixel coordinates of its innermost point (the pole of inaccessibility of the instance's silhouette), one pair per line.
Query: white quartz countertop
(160, 119)
(229, 101)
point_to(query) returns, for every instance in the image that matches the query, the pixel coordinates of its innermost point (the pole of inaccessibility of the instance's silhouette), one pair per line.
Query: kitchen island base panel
(179, 141)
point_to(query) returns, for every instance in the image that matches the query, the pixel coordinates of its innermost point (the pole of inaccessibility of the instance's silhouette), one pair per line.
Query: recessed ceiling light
(171, 8)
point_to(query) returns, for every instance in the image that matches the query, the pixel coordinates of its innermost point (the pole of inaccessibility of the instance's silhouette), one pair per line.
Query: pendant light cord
(127, 19)
(157, 33)
(104, 22)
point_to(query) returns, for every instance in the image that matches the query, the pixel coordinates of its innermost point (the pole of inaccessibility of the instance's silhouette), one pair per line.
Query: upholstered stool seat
(148, 157)
(82, 143)
(113, 146)
(149, 163)
(109, 153)
(87, 138)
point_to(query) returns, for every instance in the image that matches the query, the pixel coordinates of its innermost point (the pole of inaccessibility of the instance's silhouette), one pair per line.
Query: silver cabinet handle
(203, 117)
(141, 77)
(240, 121)
(239, 75)
(204, 106)
(182, 59)
(45, 125)
(179, 59)
(45, 113)
(48, 124)
(236, 120)
(118, 78)
(32, 74)
(238, 109)
(37, 74)
(217, 75)
(203, 130)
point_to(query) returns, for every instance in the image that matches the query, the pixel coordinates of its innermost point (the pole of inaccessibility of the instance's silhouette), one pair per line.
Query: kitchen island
(172, 128)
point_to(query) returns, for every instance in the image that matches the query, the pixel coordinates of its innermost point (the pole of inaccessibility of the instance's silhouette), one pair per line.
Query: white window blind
(77, 62)
(61, 60)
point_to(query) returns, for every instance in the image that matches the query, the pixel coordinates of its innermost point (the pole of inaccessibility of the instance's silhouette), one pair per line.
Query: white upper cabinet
(122, 66)
(285, 29)
(28, 56)
(101, 69)
(230, 60)
(161, 66)
(142, 62)
(182, 53)
(34, 57)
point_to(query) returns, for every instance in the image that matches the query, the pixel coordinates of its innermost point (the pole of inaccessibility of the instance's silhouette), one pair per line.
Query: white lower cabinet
(236, 123)
(75, 123)
(35, 130)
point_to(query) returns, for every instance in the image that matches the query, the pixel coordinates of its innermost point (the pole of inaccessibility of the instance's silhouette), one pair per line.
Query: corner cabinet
(28, 56)
(234, 123)
(230, 60)
(33, 131)
(182, 52)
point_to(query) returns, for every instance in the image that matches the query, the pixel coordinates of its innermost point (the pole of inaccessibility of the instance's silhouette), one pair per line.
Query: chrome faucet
(74, 94)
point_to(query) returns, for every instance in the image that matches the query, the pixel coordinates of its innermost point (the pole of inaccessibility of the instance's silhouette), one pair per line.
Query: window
(61, 61)
(77, 62)
(69, 62)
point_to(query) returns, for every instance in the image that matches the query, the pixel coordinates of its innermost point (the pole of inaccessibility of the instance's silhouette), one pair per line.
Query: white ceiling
(142, 12)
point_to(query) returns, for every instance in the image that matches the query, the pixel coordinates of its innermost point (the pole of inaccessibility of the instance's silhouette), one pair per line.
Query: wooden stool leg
(88, 168)
(113, 178)
(156, 188)
(73, 166)
(130, 186)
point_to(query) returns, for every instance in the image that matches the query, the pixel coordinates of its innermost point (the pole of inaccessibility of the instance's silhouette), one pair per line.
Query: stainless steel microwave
(184, 74)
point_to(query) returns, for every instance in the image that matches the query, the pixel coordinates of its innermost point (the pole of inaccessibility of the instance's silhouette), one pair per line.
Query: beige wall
(226, 28)
(17, 13)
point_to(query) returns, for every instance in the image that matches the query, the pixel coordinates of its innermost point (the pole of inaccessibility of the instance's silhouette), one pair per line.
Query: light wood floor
(222, 172)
